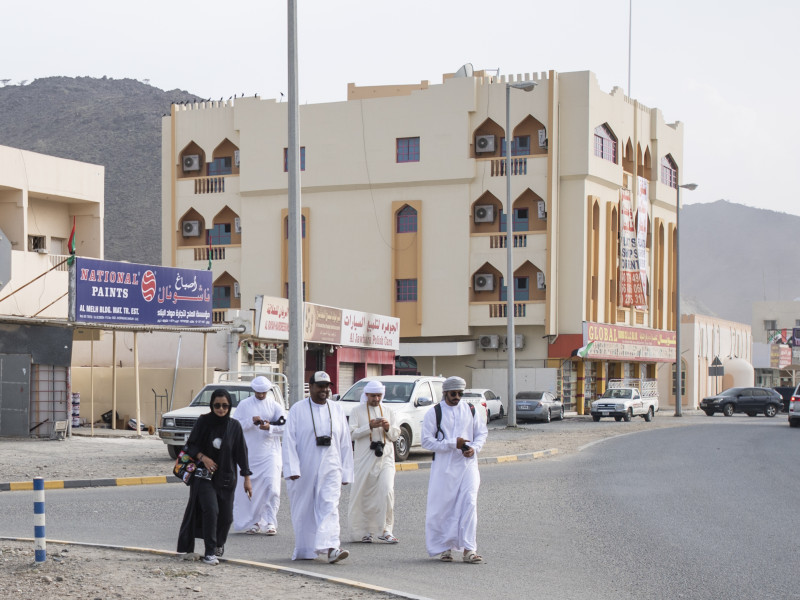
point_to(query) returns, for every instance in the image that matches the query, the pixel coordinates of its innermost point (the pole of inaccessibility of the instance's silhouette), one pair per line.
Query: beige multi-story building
(42, 198)
(404, 213)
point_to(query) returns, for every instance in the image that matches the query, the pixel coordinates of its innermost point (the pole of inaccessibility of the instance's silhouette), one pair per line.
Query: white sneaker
(337, 554)
(211, 560)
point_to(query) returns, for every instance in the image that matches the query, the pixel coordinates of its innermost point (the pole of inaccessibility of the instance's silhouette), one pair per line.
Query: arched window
(669, 172)
(406, 220)
(605, 143)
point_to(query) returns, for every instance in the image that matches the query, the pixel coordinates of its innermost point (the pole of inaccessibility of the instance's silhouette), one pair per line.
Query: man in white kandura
(260, 416)
(317, 461)
(373, 427)
(454, 431)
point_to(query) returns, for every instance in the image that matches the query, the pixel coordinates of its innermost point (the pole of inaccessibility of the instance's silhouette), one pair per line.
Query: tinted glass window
(732, 392)
(437, 391)
(354, 393)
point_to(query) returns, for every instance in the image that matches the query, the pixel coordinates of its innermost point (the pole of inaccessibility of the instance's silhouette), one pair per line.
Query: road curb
(59, 484)
(245, 563)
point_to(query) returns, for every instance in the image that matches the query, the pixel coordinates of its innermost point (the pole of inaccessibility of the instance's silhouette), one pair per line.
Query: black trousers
(209, 514)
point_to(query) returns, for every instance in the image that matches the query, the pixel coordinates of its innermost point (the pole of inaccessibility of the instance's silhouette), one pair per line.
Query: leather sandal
(447, 556)
(472, 557)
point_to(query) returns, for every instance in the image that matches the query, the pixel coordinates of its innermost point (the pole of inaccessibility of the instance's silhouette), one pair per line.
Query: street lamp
(678, 374)
(525, 86)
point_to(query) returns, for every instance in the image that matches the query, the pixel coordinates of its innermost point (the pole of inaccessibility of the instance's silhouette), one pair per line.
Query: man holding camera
(374, 430)
(456, 434)
(261, 418)
(317, 461)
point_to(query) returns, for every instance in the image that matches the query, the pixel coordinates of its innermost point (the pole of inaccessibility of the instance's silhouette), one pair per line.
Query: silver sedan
(539, 406)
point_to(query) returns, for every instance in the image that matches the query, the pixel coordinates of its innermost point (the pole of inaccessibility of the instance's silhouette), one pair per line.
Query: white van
(410, 396)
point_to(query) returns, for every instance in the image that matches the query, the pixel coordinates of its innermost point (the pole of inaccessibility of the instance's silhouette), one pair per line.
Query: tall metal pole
(678, 370)
(296, 358)
(678, 412)
(510, 345)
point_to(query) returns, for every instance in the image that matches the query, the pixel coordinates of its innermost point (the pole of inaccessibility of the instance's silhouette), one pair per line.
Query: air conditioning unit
(191, 228)
(519, 341)
(540, 284)
(489, 342)
(484, 143)
(484, 282)
(237, 225)
(236, 291)
(541, 210)
(42, 250)
(484, 213)
(191, 162)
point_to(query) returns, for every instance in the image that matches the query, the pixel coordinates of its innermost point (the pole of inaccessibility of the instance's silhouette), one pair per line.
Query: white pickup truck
(626, 398)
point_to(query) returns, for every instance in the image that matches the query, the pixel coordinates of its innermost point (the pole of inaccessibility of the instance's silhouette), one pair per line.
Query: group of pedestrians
(317, 451)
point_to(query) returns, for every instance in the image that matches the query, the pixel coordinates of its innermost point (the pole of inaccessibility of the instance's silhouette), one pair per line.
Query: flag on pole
(584, 350)
(71, 244)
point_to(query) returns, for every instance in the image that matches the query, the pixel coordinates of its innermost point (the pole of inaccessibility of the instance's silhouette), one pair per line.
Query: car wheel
(403, 445)
(710, 413)
(595, 418)
(561, 414)
(649, 416)
(547, 417)
(628, 415)
(488, 415)
(727, 410)
(618, 419)
(794, 422)
(502, 413)
(770, 411)
(173, 450)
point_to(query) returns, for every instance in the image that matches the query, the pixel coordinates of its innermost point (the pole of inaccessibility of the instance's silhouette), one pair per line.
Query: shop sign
(613, 342)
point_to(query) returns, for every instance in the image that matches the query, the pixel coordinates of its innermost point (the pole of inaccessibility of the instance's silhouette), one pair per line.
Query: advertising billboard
(103, 291)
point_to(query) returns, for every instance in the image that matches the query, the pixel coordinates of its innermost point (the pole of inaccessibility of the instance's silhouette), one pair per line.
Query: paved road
(694, 512)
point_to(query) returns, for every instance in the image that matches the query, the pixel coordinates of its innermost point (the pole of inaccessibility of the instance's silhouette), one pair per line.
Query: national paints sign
(129, 293)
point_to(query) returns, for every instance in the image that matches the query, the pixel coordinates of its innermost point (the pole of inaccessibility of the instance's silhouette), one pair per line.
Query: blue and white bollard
(40, 542)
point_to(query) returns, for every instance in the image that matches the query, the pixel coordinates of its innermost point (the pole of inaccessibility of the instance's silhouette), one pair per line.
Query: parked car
(410, 396)
(794, 408)
(748, 400)
(627, 398)
(539, 406)
(786, 393)
(176, 425)
(488, 400)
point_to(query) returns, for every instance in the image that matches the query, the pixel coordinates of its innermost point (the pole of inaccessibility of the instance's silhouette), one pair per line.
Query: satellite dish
(465, 71)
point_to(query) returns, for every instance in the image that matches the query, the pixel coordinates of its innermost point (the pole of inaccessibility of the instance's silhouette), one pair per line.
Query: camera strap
(313, 424)
(369, 418)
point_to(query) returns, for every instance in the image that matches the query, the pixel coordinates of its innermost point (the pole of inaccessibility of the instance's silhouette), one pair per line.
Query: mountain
(111, 122)
(733, 255)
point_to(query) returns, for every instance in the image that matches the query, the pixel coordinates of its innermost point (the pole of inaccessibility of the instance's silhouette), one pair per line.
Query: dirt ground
(73, 571)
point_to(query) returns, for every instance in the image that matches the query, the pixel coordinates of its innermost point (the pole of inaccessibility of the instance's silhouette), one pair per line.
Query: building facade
(405, 212)
(776, 337)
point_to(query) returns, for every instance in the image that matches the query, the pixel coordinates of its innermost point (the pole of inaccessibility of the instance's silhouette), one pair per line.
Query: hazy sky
(728, 70)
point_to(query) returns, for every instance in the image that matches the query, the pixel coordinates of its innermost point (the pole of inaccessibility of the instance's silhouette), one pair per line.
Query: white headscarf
(373, 387)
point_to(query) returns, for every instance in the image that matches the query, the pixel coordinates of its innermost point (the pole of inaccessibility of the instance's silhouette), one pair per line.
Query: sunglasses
(459, 394)
(218, 405)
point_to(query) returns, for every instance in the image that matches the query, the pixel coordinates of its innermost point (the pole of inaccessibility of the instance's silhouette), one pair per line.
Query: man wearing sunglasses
(451, 517)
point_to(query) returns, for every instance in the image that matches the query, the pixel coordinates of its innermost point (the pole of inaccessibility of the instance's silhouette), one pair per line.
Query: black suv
(748, 400)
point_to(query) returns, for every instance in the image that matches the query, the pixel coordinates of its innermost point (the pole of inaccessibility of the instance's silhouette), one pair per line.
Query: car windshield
(237, 395)
(732, 392)
(472, 395)
(396, 391)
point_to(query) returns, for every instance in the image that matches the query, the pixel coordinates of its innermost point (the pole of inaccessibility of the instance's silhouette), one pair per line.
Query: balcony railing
(209, 185)
(218, 315)
(499, 241)
(519, 166)
(501, 310)
(215, 253)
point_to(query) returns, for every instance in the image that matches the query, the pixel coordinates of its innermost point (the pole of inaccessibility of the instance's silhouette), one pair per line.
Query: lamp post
(526, 86)
(678, 374)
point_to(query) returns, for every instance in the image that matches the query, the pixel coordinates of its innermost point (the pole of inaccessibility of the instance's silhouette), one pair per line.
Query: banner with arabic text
(129, 293)
(642, 219)
(630, 282)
